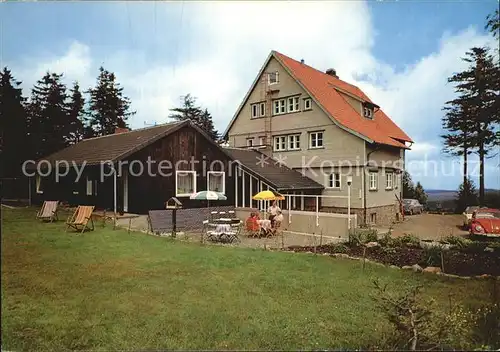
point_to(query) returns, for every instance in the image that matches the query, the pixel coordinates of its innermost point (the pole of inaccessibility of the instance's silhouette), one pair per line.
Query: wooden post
(174, 222)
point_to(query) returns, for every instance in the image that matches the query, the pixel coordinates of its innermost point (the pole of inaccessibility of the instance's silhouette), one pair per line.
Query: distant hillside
(445, 199)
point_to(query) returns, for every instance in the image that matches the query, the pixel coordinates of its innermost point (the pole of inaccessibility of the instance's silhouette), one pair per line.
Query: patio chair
(235, 232)
(208, 230)
(252, 228)
(48, 210)
(81, 218)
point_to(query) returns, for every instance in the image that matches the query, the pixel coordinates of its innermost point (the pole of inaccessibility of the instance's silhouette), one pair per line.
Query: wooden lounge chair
(80, 219)
(48, 211)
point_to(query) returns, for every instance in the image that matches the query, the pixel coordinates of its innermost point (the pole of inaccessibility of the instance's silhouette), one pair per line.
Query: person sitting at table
(278, 219)
(251, 222)
(273, 211)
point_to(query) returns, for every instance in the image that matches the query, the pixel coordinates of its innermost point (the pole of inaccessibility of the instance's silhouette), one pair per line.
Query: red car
(485, 222)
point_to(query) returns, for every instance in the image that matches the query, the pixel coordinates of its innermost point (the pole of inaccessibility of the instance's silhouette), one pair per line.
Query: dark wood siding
(185, 149)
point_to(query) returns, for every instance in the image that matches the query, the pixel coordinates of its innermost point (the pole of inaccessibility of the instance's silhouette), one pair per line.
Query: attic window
(272, 78)
(368, 112)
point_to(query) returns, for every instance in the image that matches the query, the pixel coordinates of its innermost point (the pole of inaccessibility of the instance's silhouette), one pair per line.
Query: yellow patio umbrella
(268, 195)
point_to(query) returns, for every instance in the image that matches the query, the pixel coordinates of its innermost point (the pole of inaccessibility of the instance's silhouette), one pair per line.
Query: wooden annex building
(154, 164)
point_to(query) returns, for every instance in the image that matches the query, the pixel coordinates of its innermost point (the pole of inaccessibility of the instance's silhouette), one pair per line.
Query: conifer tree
(13, 147)
(76, 115)
(472, 119)
(467, 195)
(408, 187)
(190, 111)
(48, 115)
(108, 107)
(420, 194)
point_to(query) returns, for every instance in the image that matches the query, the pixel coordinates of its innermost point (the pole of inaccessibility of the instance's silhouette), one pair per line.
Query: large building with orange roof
(316, 123)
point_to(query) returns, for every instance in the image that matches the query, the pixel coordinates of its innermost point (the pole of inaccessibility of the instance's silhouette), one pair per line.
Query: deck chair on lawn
(81, 218)
(48, 211)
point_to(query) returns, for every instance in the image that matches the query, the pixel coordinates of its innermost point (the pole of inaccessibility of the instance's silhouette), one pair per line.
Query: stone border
(414, 268)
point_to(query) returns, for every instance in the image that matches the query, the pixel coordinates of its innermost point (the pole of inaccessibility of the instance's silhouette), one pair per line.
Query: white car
(467, 215)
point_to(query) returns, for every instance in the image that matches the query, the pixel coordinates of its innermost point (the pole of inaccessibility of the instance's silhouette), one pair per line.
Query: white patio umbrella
(208, 195)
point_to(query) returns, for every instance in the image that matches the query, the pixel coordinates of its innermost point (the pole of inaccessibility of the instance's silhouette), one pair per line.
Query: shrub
(407, 240)
(362, 236)
(339, 248)
(457, 241)
(431, 256)
(386, 240)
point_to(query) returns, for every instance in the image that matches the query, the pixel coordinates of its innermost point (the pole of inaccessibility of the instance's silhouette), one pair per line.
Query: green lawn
(112, 290)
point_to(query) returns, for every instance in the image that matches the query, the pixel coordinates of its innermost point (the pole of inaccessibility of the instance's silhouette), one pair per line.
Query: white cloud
(75, 63)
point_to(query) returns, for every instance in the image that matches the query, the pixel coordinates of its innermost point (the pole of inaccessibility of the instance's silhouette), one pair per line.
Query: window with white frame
(307, 104)
(216, 181)
(272, 78)
(39, 185)
(279, 106)
(389, 180)
(89, 186)
(367, 112)
(258, 110)
(262, 140)
(294, 142)
(249, 142)
(280, 143)
(334, 180)
(293, 104)
(373, 180)
(185, 183)
(315, 139)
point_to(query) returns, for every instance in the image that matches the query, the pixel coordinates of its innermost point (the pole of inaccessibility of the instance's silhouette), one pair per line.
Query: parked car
(485, 222)
(467, 215)
(412, 206)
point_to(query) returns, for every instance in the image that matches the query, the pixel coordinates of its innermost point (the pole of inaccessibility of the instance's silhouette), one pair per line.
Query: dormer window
(272, 78)
(368, 112)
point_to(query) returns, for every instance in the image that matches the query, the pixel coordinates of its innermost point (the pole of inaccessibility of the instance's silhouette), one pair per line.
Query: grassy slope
(112, 290)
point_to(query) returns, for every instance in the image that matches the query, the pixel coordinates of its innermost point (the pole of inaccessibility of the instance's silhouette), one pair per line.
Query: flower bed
(473, 259)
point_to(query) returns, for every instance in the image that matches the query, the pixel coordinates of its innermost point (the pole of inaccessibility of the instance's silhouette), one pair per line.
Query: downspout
(377, 147)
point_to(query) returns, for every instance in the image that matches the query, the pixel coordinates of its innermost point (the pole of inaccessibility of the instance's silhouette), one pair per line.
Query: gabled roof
(326, 92)
(277, 176)
(113, 147)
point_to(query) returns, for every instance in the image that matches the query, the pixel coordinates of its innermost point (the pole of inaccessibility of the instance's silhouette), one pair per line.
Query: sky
(399, 52)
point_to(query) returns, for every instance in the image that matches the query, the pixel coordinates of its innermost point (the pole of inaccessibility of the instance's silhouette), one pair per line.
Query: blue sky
(400, 53)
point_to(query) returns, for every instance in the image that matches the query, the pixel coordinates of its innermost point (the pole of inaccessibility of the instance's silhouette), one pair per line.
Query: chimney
(121, 130)
(302, 61)
(332, 72)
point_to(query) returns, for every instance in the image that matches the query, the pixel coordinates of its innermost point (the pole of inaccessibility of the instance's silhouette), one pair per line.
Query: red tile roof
(325, 90)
